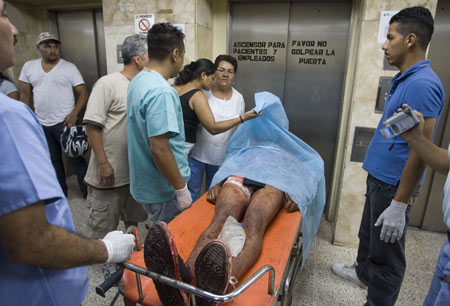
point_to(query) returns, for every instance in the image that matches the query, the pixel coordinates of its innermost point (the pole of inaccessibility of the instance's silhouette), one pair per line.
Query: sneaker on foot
(213, 270)
(161, 256)
(348, 273)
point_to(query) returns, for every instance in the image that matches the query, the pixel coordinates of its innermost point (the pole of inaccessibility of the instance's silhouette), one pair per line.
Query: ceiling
(51, 2)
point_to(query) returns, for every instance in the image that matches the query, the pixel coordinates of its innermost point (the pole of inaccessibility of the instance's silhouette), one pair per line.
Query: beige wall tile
(195, 14)
(30, 21)
(374, 7)
(204, 50)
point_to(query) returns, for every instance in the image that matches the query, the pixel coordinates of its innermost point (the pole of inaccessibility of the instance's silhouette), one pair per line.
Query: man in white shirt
(53, 81)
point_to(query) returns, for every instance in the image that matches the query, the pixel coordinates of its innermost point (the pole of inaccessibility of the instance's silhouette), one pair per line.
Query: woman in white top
(189, 84)
(8, 88)
(225, 103)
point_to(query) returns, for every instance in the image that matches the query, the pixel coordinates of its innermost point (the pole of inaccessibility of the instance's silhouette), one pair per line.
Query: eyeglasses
(223, 70)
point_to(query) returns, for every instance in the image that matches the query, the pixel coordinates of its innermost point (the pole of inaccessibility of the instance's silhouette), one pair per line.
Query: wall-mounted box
(387, 66)
(361, 141)
(119, 54)
(383, 88)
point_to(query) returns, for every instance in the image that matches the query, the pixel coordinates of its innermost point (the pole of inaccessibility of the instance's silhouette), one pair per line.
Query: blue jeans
(381, 266)
(164, 211)
(198, 168)
(53, 135)
(439, 294)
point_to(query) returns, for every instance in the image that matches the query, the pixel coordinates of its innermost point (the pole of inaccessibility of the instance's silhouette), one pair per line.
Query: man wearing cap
(52, 81)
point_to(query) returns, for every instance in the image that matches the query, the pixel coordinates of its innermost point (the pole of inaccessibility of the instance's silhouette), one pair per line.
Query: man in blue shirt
(438, 159)
(157, 153)
(39, 252)
(394, 172)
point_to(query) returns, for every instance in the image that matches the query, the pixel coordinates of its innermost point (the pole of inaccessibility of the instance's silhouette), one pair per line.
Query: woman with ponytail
(189, 82)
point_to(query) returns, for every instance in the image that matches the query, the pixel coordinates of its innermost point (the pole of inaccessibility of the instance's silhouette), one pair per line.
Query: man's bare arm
(81, 102)
(25, 93)
(434, 156)
(105, 170)
(414, 167)
(27, 238)
(165, 161)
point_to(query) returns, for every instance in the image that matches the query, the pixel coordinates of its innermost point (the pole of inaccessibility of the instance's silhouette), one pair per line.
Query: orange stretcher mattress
(187, 227)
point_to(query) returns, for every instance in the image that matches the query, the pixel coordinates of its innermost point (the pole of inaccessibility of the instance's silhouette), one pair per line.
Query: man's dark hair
(417, 20)
(226, 58)
(162, 39)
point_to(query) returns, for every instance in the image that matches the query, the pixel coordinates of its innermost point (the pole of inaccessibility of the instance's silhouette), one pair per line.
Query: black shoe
(213, 270)
(161, 256)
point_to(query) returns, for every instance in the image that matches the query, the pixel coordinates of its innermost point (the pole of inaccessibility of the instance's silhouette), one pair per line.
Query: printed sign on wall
(143, 22)
(383, 28)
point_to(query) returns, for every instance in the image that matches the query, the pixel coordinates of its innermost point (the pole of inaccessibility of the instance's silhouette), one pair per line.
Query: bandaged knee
(233, 235)
(238, 181)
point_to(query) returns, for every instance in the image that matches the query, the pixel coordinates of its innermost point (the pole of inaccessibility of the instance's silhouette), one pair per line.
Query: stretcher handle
(108, 283)
(205, 294)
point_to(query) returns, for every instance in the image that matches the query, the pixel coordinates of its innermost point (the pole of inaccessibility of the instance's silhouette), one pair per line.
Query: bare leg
(264, 206)
(231, 201)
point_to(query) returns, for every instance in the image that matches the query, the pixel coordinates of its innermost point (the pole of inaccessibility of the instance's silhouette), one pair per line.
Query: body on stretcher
(280, 257)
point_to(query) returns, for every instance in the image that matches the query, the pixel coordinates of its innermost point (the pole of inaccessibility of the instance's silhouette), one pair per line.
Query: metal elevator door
(82, 37)
(298, 51)
(427, 212)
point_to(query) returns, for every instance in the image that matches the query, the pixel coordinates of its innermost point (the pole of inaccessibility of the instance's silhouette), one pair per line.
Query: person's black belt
(448, 235)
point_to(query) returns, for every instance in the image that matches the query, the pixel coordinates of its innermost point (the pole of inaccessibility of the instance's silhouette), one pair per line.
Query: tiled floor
(316, 285)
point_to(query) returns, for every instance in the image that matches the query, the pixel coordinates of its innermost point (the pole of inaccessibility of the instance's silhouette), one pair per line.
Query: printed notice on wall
(143, 23)
(383, 28)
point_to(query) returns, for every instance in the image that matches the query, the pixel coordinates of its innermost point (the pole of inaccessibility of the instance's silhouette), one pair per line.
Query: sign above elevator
(265, 51)
(257, 51)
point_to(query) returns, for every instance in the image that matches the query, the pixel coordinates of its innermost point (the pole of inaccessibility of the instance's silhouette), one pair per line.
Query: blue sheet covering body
(264, 150)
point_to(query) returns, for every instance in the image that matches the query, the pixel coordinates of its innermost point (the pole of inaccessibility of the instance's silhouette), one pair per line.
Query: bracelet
(240, 117)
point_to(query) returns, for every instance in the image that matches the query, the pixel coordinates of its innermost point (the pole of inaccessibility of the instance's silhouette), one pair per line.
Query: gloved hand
(184, 198)
(119, 246)
(393, 220)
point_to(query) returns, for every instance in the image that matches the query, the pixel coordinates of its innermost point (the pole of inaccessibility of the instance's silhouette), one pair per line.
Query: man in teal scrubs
(157, 153)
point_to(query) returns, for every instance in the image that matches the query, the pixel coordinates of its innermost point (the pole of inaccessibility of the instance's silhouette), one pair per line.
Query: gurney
(269, 280)
(262, 150)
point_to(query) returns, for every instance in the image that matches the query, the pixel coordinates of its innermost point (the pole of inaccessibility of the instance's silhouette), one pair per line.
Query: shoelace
(233, 282)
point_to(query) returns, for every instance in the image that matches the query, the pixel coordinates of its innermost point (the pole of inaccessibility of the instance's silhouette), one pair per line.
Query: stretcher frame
(135, 273)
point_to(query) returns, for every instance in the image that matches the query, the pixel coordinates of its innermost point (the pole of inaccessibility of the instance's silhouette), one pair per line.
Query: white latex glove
(119, 246)
(184, 198)
(393, 220)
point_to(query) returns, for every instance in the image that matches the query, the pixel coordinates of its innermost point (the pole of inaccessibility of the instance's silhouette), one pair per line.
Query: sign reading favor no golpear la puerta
(143, 22)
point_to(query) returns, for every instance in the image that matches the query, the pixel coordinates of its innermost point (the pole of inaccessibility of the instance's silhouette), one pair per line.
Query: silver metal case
(399, 123)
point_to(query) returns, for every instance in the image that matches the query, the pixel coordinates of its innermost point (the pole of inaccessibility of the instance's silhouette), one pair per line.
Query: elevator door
(427, 212)
(82, 39)
(298, 51)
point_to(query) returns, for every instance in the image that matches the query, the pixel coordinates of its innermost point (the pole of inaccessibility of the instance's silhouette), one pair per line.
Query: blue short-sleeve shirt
(154, 109)
(422, 90)
(26, 177)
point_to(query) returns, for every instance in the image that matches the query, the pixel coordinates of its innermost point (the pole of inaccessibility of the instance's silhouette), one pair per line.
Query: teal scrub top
(154, 109)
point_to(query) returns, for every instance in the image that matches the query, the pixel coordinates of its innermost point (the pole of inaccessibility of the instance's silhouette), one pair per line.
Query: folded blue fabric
(264, 150)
